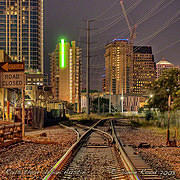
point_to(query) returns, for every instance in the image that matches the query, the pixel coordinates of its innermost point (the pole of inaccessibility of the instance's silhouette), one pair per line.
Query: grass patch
(83, 119)
(163, 131)
(152, 125)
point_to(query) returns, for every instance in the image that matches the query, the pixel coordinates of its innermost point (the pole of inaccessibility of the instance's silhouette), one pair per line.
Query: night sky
(158, 25)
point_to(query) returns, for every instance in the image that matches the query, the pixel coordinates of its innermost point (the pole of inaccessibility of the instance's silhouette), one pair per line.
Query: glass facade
(21, 32)
(143, 69)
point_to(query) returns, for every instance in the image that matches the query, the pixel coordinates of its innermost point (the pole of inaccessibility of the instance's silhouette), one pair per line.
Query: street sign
(12, 79)
(11, 67)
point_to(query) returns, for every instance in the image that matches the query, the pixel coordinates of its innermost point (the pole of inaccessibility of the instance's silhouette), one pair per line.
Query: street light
(169, 108)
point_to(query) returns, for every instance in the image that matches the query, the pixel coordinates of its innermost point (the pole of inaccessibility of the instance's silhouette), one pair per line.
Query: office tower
(21, 32)
(144, 71)
(65, 69)
(54, 72)
(118, 63)
(103, 85)
(162, 65)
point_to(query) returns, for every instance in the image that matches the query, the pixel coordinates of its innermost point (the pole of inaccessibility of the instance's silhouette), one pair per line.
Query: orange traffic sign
(11, 67)
(5, 67)
(12, 79)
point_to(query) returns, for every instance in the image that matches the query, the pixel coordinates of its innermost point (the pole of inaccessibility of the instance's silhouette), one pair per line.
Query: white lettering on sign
(12, 79)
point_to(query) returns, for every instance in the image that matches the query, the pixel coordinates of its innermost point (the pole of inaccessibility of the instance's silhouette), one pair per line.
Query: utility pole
(122, 101)
(87, 69)
(3, 103)
(87, 66)
(23, 113)
(169, 109)
(98, 104)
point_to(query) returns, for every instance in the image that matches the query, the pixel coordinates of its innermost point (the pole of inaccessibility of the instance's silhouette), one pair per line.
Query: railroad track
(94, 156)
(134, 163)
(99, 155)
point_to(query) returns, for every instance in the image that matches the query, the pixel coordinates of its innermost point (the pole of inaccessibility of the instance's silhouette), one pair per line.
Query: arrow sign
(5, 67)
(11, 67)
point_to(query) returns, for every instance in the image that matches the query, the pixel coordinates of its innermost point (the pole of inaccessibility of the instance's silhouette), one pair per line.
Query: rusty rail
(124, 157)
(70, 153)
(99, 131)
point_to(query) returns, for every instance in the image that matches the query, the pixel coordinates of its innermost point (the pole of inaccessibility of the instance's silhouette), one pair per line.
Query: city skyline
(69, 19)
(89, 89)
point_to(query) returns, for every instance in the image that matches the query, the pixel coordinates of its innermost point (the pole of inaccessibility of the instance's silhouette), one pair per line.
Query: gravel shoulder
(164, 159)
(36, 155)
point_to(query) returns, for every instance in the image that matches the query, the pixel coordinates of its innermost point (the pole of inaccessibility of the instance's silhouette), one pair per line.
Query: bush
(149, 115)
(135, 123)
(140, 110)
(109, 114)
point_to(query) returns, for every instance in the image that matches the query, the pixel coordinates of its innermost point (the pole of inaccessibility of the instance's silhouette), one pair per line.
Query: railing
(10, 132)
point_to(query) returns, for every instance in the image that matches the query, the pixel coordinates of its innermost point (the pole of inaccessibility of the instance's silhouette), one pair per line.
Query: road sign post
(12, 80)
(3, 103)
(12, 76)
(23, 113)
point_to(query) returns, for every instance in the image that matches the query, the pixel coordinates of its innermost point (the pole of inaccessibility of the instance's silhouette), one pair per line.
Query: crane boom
(126, 17)
(132, 31)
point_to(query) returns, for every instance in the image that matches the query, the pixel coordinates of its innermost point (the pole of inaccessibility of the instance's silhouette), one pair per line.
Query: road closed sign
(12, 79)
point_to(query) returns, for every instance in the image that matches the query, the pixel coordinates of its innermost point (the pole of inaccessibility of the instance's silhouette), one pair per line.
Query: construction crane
(132, 30)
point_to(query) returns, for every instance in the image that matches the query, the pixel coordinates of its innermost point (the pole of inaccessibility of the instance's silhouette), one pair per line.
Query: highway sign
(12, 79)
(11, 67)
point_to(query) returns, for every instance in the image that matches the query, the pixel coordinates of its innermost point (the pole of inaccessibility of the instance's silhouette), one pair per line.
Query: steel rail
(131, 170)
(69, 154)
(98, 130)
(71, 128)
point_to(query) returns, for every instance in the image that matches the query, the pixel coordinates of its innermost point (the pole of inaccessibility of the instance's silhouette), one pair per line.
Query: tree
(167, 85)
(104, 105)
(176, 103)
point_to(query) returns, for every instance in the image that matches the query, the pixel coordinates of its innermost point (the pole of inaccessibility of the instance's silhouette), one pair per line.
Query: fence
(162, 119)
(41, 118)
(10, 132)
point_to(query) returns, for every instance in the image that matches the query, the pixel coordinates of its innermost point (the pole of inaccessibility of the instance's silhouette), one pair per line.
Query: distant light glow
(29, 103)
(61, 54)
(120, 39)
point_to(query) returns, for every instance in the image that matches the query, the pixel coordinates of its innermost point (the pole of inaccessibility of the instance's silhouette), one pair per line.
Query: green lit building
(65, 77)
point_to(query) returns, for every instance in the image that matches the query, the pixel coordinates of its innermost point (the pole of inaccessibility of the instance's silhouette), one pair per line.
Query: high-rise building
(143, 69)
(21, 32)
(104, 85)
(118, 63)
(65, 69)
(54, 72)
(162, 65)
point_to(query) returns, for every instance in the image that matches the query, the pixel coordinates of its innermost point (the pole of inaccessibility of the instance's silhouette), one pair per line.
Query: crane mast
(132, 31)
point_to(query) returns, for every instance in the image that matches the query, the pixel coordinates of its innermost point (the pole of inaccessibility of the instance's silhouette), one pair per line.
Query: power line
(101, 30)
(154, 11)
(165, 26)
(111, 17)
(170, 45)
(104, 12)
